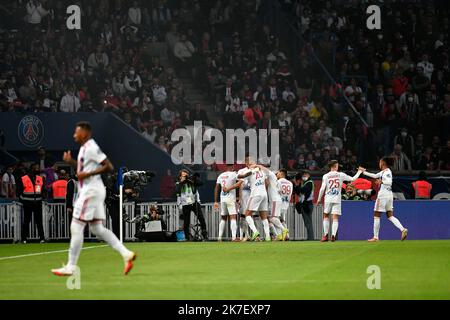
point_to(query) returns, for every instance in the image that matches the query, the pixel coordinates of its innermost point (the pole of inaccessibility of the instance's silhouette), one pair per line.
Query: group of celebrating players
(258, 187)
(262, 191)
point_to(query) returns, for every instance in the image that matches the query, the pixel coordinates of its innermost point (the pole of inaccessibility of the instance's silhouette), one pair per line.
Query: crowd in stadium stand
(397, 78)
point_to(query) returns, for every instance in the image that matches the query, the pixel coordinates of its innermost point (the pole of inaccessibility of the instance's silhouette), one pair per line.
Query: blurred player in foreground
(89, 205)
(331, 187)
(385, 199)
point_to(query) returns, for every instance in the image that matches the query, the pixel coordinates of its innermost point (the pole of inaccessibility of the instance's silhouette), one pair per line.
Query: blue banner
(426, 219)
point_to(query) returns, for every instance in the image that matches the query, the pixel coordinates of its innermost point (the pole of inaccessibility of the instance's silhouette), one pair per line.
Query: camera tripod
(196, 232)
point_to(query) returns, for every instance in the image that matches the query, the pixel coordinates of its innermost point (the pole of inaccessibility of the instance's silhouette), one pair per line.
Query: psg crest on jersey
(30, 131)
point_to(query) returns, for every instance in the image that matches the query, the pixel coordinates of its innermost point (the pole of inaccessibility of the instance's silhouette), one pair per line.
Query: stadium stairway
(193, 94)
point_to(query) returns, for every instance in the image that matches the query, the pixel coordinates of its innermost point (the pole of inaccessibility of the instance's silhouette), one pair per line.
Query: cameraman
(188, 200)
(112, 201)
(304, 188)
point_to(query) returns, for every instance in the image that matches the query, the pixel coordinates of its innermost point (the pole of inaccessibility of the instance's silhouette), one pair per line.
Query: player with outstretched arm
(331, 187)
(385, 199)
(89, 207)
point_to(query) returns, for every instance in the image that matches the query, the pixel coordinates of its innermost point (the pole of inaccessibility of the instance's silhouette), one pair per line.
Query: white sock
(326, 226)
(277, 223)
(108, 236)
(251, 223)
(76, 241)
(396, 223)
(376, 227)
(221, 228)
(273, 229)
(265, 223)
(243, 228)
(334, 227)
(233, 225)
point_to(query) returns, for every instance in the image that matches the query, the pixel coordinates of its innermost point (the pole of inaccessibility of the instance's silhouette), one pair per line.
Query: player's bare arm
(234, 186)
(245, 175)
(216, 193)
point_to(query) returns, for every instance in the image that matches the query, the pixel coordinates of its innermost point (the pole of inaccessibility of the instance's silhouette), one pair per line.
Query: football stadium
(224, 150)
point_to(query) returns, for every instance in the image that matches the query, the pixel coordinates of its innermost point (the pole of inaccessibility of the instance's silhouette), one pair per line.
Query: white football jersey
(257, 182)
(90, 158)
(332, 185)
(286, 188)
(386, 182)
(274, 188)
(227, 179)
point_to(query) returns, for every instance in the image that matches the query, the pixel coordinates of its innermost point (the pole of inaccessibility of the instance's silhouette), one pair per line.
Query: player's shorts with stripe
(228, 208)
(275, 210)
(90, 205)
(332, 207)
(258, 203)
(384, 204)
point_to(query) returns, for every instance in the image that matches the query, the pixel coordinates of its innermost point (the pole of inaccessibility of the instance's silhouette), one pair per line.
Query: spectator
(183, 51)
(35, 12)
(135, 14)
(8, 184)
(401, 160)
(199, 114)
(70, 102)
(159, 92)
(426, 66)
(161, 15)
(406, 141)
(428, 160)
(98, 60)
(132, 83)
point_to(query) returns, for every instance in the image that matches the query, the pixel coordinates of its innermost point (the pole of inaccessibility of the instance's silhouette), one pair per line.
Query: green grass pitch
(277, 270)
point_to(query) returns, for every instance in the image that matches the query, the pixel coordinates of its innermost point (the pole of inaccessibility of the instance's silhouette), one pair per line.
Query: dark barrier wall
(123, 145)
(423, 219)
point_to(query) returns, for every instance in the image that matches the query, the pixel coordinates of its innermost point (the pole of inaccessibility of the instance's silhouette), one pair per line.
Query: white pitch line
(47, 252)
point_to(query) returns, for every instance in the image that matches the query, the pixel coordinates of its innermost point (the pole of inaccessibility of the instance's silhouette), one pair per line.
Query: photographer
(304, 188)
(188, 200)
(156, 215)
(112, 201)
(351, 193)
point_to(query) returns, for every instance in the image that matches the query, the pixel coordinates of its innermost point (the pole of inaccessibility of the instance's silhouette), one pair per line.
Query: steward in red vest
(422, 188)
(362, 184)
(30, 190)
(59, 187)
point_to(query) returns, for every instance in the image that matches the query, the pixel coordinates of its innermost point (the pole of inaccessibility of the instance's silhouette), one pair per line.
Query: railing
(57, 224)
